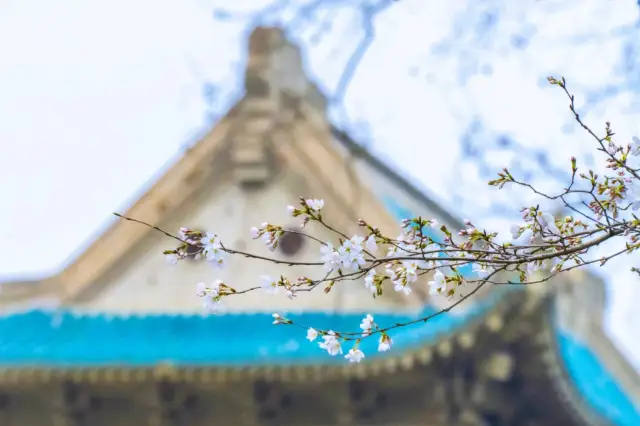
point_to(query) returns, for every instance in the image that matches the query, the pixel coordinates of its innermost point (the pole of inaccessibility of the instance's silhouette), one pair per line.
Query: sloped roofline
(390, 173)
(42, 277)
(603, 347)
(154, 203)
(151, 203)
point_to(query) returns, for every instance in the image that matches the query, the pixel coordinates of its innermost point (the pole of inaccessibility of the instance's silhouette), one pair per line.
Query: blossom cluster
(331, 342)
(405, 261)
(206, 246)
(211, 295)
(540, 242)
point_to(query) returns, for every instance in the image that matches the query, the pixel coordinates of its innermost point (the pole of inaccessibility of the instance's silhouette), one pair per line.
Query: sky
(101, 96)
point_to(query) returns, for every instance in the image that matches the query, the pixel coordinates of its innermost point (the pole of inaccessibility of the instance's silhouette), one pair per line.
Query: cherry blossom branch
(541, 243)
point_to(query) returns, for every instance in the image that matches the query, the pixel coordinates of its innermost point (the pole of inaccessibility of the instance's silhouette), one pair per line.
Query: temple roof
(67, 339)
(594, 382)
(587, 372)
(64, 338)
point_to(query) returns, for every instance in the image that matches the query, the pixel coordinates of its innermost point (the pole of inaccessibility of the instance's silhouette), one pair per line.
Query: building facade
(118, 337)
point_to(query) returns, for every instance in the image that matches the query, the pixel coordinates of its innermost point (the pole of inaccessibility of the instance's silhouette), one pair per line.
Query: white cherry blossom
(268, 284)
(481, 271)
(635, 146)
(369, 281)
(211, 303)
(372, 246)
(210, 241)
(267, 238)
(350, 259)
(330, 257)
(384, 344)
(331, 344)
(351, 253)
(367, 325)
(354, 244)
(312, 334)
(255, 232)
(269, 234)
(212, 306)
(212, 290)
(212, 249)
(216, 257)
(533, 267)
(315, 205)
(411, 271)
(438, 285)
(277, 318)
(182, 233)
(549, 223)
(431, 223)
(354, 355)
(201, 289)
(406, 244)
(401, 287)
(515, 231)
(525, 238)
(291, 293)
(633, 194)
(171, 258)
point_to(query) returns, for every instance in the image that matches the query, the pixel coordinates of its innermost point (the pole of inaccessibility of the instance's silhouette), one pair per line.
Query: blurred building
(118, 338)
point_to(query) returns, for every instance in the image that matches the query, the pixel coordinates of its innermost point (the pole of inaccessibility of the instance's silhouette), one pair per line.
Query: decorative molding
(5, 408)
(499, 366)
(251, 151)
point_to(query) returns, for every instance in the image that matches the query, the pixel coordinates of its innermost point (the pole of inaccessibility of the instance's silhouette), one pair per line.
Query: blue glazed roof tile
(60, 339)
(589, 376)
(65, 339)
(596, 385)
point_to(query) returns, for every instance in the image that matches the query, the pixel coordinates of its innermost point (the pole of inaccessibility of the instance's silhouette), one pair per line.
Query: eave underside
(498, 377)
(445, 392)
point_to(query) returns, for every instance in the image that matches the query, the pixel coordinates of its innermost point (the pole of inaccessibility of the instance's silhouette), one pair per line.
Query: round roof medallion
(290, 243)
